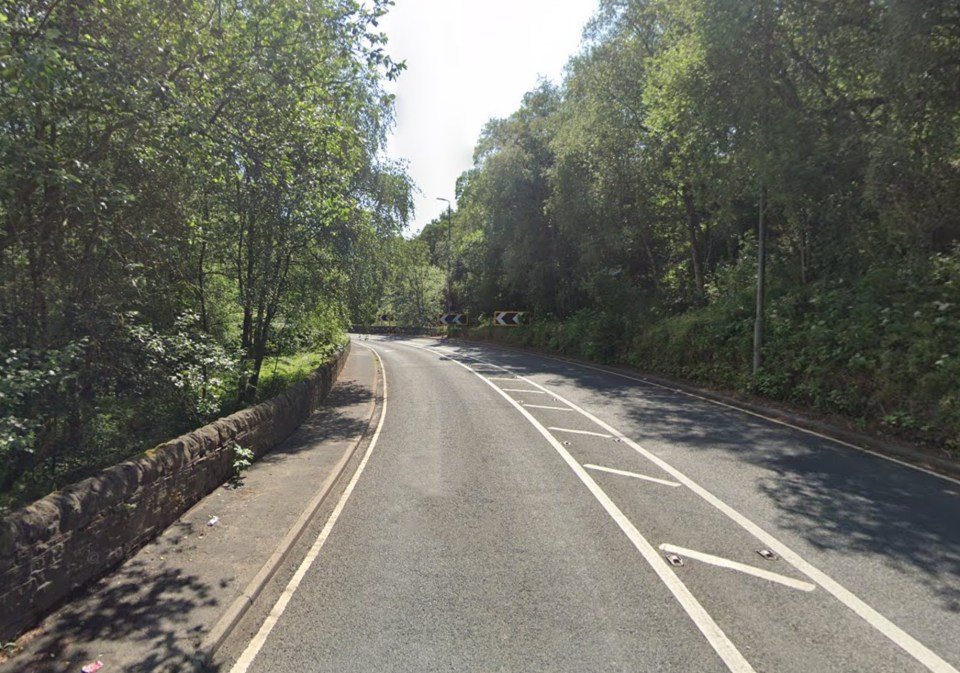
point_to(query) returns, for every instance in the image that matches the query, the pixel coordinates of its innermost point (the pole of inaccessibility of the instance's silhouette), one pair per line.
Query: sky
(468, 61)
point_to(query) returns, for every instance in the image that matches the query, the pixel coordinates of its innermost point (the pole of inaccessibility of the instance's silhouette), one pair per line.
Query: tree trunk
(693, 230)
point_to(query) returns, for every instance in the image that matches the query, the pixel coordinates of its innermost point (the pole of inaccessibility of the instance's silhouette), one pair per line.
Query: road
(522, 513)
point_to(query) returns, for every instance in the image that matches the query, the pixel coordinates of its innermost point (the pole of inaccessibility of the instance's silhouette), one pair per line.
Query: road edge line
(254, 646)
(721, 644)
(934, 466)
(222, 630)
(913, 647)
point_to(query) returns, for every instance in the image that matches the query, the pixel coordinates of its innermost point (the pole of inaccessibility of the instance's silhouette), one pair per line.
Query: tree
(177, 180)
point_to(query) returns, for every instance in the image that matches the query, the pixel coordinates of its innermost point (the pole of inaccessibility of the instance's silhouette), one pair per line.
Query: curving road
(520, 513)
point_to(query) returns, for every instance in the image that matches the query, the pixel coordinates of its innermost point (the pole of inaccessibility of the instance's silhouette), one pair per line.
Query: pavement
(169, 607)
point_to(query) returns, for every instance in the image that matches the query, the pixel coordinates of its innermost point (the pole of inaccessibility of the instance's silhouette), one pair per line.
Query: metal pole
(761, 287)
(449, 250)
(761, 220)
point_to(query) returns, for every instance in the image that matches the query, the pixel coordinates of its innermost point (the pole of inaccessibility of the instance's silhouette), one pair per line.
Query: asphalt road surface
(520, 513)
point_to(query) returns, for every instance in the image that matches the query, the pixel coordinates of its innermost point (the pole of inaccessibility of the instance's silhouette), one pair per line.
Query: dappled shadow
(328, 422)
(153, 613)
(892, 516)
(836, 498)
(346, 393)
(144, 607)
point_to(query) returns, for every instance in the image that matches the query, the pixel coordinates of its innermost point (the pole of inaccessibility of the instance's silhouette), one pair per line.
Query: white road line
(540, 406)
(741, 567)
(253, 648)
(905, 641)
(519, 390)
(644, 477)
(721, 644)
(582, 432)
(498, 369)
(807, 431)
(501, 378)
(901, 638)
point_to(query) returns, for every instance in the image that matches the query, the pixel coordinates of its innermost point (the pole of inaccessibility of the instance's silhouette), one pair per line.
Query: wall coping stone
(176, 473)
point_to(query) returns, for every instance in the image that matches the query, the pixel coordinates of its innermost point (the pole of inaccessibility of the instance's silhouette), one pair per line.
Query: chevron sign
(508, 318)
(453, 319)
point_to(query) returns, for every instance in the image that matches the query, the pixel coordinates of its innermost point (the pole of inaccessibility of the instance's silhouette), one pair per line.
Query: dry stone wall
(72, 537)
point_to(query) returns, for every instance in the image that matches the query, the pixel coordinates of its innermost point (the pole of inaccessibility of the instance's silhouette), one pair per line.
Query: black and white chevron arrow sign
(508, 318)
(453, 319)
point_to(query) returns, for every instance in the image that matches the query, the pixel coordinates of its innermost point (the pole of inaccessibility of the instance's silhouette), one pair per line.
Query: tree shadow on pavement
(329, 422)
(140, 606)
(836, 498)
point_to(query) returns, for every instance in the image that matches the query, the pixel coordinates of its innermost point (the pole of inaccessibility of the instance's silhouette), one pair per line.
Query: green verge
(879, 354)
(282, 371)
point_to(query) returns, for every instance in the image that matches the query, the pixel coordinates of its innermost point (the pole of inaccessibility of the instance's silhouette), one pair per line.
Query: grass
(279, 373)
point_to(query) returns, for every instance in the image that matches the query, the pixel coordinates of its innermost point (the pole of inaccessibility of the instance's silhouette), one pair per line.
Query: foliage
(880, 351)
(29, 382)
(242, 460)
(620, 206)
(185, 188)
(416, 288)
(282, 371)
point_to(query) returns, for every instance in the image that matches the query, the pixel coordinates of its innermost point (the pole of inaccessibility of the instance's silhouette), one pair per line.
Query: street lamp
(449, 250)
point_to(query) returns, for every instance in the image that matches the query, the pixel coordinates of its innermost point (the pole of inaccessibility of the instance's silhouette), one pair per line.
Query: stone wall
(73, 536)
(394, 329)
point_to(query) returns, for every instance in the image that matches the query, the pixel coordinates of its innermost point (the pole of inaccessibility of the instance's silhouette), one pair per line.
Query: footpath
(169, 607)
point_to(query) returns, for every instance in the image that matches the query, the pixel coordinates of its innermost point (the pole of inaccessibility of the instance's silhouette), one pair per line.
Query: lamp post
(449, 249)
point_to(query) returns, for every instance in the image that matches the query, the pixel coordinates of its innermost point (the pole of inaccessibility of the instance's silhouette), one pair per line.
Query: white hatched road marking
(901, 638)
(622, 473)
(721, 644)
(755, 414)
(519, 390)
(740, 567)
(581, 432)
(540, 406)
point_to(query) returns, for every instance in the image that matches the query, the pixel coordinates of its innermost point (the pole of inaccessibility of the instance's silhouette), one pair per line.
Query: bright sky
(467, 62)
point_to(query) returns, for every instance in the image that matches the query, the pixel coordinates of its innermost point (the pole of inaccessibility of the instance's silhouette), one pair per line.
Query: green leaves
(177, 179)
(630, 193)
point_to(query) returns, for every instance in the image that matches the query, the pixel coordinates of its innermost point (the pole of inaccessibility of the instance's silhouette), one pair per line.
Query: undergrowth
(881, 351)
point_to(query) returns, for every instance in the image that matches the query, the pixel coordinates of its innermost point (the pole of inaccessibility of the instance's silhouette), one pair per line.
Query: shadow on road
(836, 498)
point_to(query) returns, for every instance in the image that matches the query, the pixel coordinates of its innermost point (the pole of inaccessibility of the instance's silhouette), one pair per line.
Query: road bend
(522, 513)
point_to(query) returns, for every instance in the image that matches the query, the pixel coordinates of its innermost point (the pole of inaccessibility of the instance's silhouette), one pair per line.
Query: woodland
(186, 187)
(623, 207)
(191, 190)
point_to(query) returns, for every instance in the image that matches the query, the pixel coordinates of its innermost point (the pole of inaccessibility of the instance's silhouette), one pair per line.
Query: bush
(67, 412)
(881, 350)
